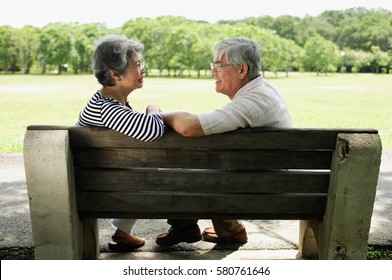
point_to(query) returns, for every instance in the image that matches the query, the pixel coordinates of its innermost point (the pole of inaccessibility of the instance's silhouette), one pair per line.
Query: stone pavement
(267, 239)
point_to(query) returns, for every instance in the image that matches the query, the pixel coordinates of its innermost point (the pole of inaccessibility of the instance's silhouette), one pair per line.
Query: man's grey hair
(113, 52)
(240, 51)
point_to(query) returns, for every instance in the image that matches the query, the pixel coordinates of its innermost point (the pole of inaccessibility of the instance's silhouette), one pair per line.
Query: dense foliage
(354, 40)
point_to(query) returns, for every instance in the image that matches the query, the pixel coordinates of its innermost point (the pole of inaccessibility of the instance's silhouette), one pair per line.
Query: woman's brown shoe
(123, 242)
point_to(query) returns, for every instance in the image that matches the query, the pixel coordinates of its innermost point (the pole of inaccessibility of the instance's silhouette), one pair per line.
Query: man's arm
(184, 123)
(150, 109)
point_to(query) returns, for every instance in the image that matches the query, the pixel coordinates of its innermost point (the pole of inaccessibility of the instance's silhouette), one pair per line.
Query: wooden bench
(326, 178)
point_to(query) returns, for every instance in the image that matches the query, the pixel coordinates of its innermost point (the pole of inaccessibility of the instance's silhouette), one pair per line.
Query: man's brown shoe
(209, 235)
(189, 234)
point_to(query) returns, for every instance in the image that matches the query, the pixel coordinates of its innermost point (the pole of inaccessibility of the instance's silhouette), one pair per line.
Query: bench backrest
(253, 173)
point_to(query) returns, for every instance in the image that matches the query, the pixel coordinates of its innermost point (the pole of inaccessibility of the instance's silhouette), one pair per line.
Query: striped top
(108, 112)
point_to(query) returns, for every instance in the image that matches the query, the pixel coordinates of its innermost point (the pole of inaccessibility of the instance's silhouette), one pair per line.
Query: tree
(377, 30)
(26, 42)
(202, 48)
(180, 46)
(7, 49)
(55, 45)
(320, 55)
(264, 22)
(83, 39)
(379, 59)
(390, 61)
(361, 29)
(304, 30)
(153, 33)
(285, 26)
(357, 61)
(292, 56)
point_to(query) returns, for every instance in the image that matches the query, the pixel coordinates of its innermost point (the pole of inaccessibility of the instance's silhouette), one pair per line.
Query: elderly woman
(118, 66)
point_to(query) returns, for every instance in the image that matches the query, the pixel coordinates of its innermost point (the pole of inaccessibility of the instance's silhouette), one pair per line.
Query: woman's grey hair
(113, 52)
(240, 51)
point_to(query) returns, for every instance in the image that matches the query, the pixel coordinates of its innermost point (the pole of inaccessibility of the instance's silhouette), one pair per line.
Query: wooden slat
(167, 205)
(49, 127)
(260, 138)
(241, 130)
(205, 181)
(214, 159)
(297, 138)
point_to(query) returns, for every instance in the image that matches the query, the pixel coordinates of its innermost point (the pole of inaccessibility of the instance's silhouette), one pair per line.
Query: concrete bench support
(57, 229)
(352, 190)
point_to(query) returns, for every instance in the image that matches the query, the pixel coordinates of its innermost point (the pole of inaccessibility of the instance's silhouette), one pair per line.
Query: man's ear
(243, 70)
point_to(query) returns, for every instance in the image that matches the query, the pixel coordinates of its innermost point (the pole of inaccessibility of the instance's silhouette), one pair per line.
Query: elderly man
(254, 103)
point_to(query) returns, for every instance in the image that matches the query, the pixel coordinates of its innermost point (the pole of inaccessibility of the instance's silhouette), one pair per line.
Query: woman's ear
(115, 75)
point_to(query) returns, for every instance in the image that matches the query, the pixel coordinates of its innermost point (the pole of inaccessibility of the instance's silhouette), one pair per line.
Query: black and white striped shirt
(107, 112)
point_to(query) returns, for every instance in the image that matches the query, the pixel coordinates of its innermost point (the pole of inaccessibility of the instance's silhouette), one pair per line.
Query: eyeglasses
(218, 66)
(140, 65)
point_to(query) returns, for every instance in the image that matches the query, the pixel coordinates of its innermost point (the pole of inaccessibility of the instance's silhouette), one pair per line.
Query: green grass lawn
(334, 101)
